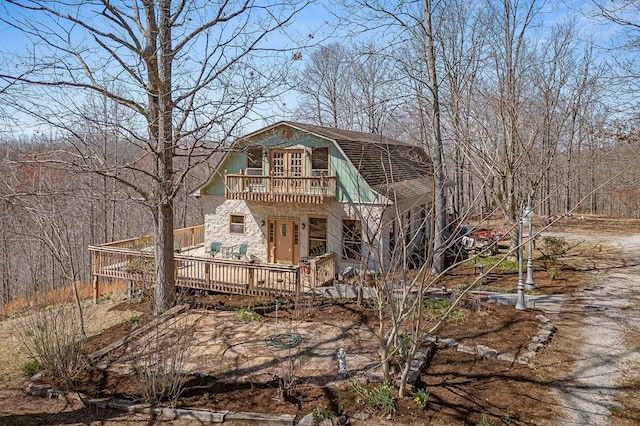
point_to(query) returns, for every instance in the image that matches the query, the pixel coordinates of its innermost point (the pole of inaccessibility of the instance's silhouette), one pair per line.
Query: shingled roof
(390, 167)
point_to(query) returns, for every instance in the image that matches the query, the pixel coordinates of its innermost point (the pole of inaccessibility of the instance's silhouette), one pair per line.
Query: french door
(286, 166)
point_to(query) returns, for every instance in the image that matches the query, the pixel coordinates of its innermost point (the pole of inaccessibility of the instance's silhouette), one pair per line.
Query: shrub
(53, 337)
(30, 368)
(106, 297)
(552, 247)
(161, 367)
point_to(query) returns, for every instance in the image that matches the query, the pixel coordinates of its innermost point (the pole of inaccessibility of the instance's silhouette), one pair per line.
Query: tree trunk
(165, 269)
(440, 203)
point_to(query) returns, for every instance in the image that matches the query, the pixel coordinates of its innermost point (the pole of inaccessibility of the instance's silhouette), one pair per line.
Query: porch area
(132, 261)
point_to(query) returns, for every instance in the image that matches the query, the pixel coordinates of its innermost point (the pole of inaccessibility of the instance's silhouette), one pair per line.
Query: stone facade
(374, 219)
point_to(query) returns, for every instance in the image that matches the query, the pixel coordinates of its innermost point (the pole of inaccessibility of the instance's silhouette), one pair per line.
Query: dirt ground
(241, 373)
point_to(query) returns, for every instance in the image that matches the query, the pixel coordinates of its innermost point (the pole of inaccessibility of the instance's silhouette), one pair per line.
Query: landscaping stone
(419, 364)
(466, 349)
(448, 342)
(38, 390)
(307, 420)
(431, 338)
(543, 319)
(525, 357)
(548, 326)
(535, 347)
(487, 352)
(361, 416)
(544, 336)
(506, 357)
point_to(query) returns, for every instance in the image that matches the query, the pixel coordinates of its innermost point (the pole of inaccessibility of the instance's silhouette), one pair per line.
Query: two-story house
(293, 191)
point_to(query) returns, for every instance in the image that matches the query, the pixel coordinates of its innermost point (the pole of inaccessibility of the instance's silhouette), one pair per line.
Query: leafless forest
(111, 116)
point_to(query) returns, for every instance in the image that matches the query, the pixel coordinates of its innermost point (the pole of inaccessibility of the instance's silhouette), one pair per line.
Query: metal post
(530, 285)
(520, 303)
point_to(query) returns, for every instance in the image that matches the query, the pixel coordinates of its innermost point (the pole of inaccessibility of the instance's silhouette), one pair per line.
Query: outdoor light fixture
(303, 225)
(262, 222)
(528, 218)
(521, 305)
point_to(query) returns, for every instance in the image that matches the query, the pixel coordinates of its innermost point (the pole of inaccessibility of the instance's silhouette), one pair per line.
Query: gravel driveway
(607, 311)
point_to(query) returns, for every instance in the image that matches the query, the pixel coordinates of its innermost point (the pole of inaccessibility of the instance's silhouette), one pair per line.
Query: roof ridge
(348, 135)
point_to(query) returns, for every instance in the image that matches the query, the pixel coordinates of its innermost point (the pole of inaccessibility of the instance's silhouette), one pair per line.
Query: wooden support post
(96, 288)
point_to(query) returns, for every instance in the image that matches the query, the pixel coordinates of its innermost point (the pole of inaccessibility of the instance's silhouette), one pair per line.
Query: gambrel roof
(395, 170)
(392, 168)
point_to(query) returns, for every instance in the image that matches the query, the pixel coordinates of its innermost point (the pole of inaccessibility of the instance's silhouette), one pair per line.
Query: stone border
(203, 416)
(545, 333)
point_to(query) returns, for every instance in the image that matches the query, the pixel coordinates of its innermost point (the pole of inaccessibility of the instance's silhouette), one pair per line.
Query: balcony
(281, 189)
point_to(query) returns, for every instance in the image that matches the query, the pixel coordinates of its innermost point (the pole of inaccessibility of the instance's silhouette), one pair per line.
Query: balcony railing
(285, 189)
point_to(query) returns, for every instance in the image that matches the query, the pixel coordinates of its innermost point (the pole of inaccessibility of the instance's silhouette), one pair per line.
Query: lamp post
(520, 302)
(528, 218)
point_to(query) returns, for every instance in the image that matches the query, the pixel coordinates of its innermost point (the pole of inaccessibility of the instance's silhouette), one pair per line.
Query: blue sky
(316, 20)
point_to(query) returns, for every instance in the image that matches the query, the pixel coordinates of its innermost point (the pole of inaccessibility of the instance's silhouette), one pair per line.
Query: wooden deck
(132, 261)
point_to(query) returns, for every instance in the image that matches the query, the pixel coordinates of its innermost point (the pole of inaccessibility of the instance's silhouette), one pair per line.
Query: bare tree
(440, 200)
(508, 133)
(324, 86)
(189, 72)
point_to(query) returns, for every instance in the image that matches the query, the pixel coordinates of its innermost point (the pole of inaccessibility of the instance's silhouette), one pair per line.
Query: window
(236, 224)
(317, 236)
(351, 239)
(320, 158)
(319, 165)
(272, 232)
(254, 160)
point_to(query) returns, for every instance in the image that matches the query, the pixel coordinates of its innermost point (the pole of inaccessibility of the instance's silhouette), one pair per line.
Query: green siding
(350, 187)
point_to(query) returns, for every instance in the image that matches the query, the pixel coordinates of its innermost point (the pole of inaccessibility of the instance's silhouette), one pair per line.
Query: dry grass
(58, 296)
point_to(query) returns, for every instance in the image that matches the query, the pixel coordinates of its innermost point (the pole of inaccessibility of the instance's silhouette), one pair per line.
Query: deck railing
(183, 238)
(298, 189)
(132, 261)
(321, 271)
